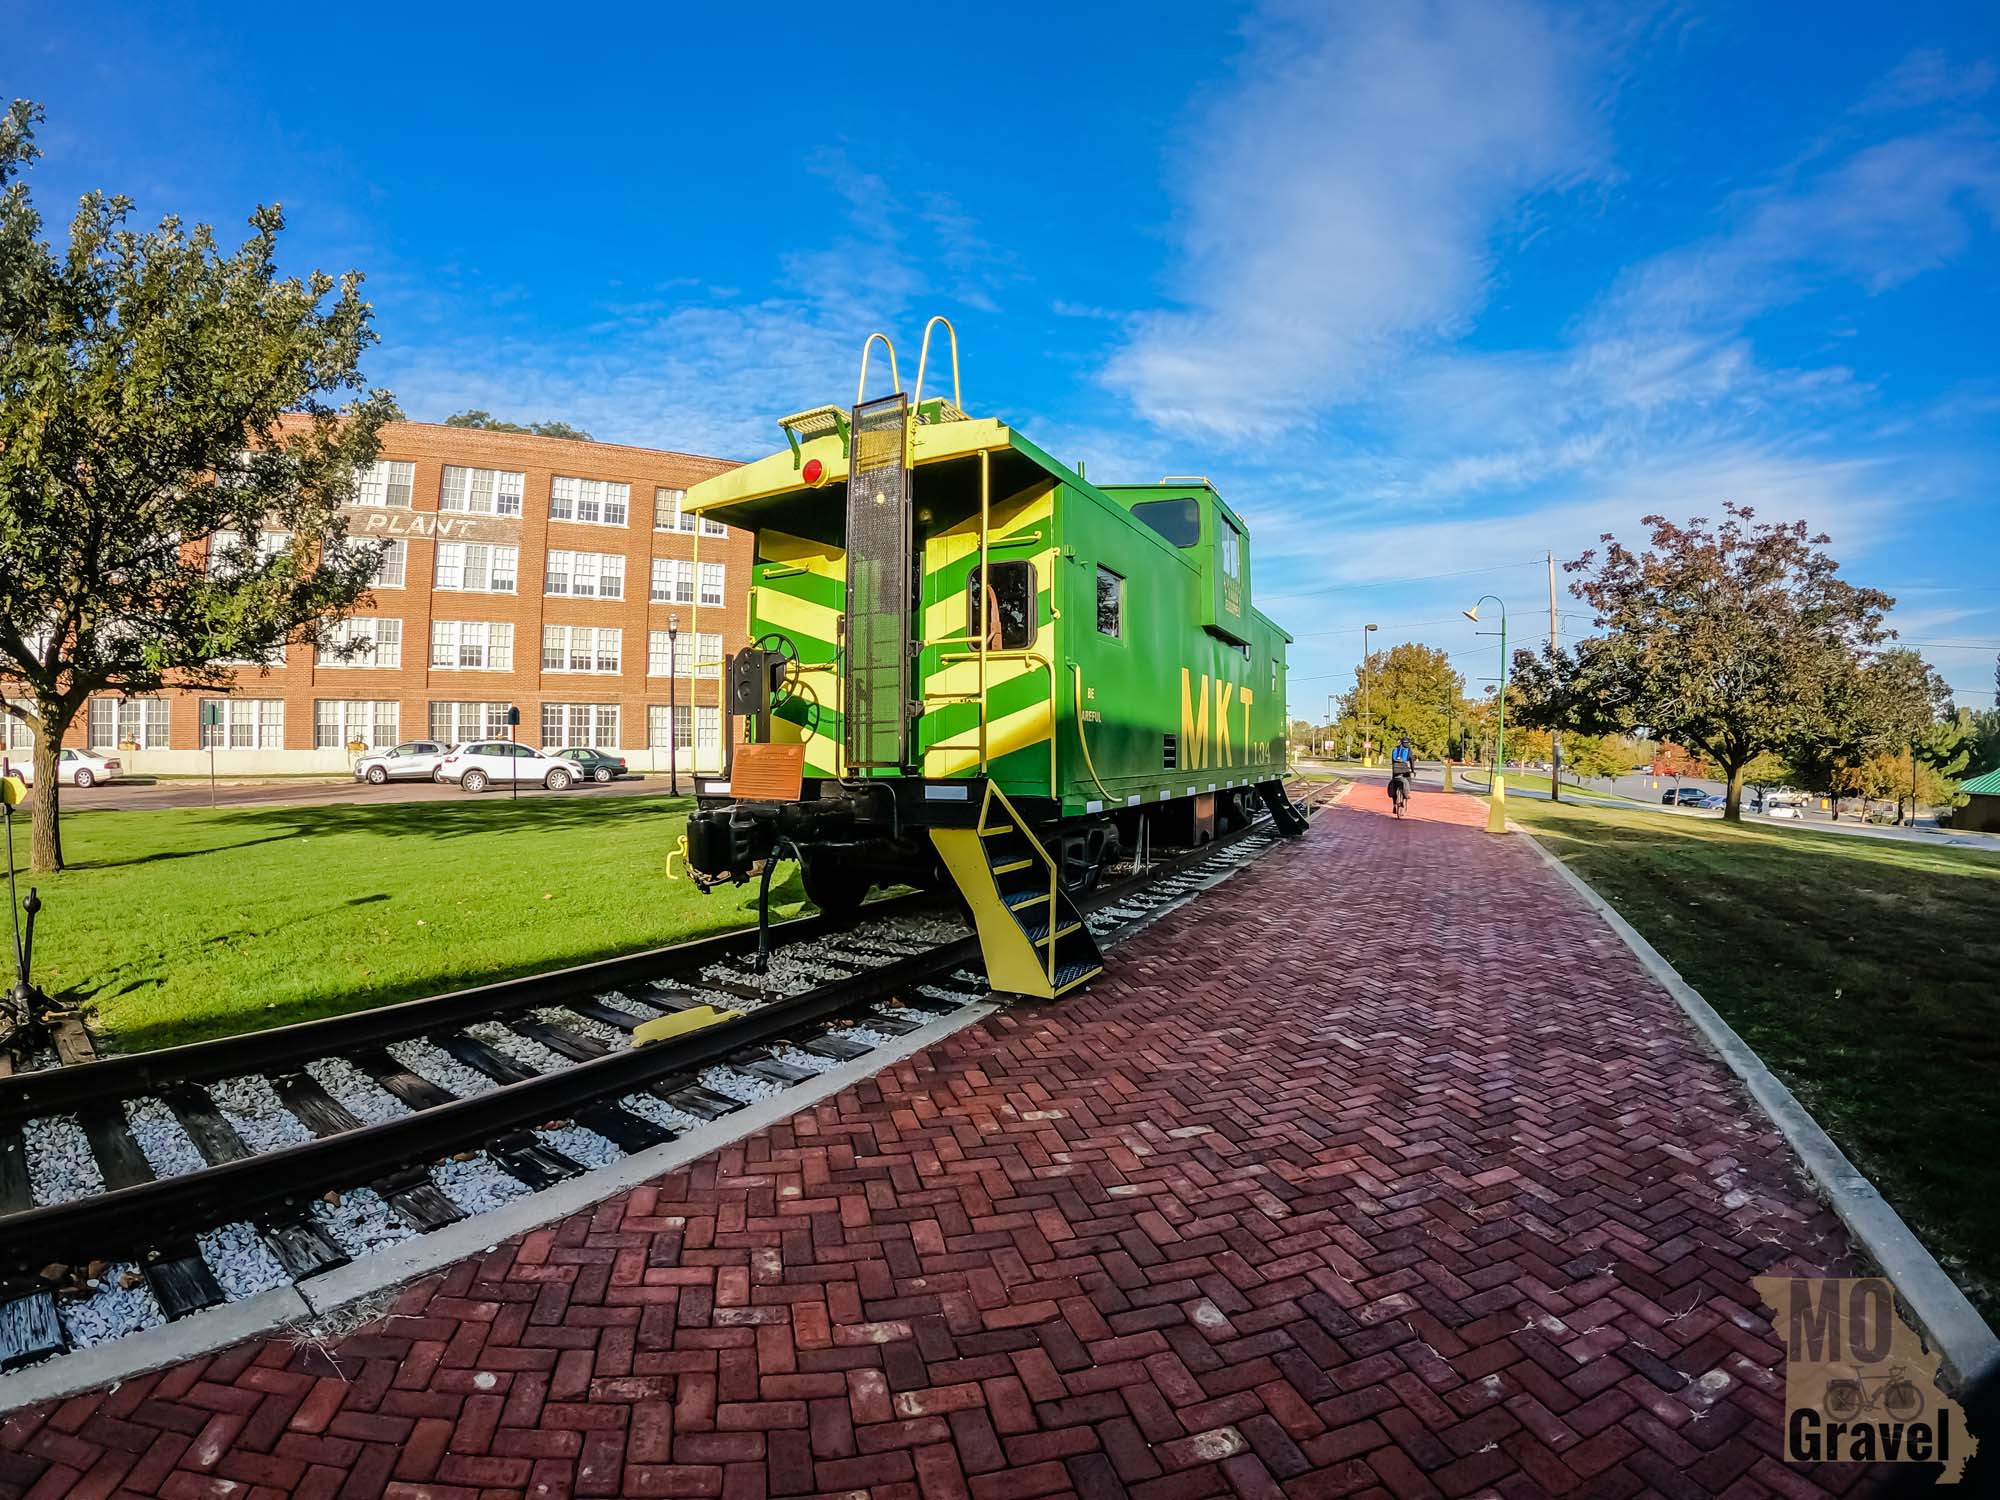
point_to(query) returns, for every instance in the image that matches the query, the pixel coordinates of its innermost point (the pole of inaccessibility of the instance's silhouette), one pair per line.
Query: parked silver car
(416, 761)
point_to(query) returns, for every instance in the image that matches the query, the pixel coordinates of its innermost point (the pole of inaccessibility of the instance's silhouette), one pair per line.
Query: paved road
(1336, 1183)
(134, 794)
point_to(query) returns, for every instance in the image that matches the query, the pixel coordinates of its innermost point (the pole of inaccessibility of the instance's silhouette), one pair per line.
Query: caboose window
(1231, 551)
(1110, 603)
(1179, 521)
(1009, 616)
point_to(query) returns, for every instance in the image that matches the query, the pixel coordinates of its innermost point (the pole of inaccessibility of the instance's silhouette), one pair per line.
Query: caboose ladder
(1031, 934)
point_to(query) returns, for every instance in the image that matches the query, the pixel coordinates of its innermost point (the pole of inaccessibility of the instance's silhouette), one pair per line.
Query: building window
(1110, 603)
(592, 724)
(586, 575)
(456, 723)
(228, 553)
(711, 583)
(476, 567)
(673, 581)
(485, 492)
(581, 648)
(340, 722)
(17, 735)
(713, 528)
(594, 502)
(395, 563)
(661, 648)
(120, 721)
(474, 645)
(708, 654)
(247, 724)
(380, 643)
(656, 726)
(667, 511)
(708, 728)
(388, 482)
(1010, 613)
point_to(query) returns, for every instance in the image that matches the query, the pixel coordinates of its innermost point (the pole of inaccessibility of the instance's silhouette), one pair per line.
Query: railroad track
(171, 1181)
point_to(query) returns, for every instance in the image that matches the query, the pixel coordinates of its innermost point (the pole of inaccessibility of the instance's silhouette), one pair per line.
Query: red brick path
(1383, 1170)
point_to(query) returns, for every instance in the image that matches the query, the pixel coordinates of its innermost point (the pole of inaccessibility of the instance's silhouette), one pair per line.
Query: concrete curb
(1943, 1314)
(395, 1265)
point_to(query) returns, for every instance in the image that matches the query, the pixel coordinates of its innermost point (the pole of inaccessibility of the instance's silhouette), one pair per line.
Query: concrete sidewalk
(1382, 1169)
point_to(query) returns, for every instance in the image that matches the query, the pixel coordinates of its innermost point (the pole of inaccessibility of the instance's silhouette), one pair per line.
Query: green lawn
(1861, 970)
(172, 926)
(1529, 781)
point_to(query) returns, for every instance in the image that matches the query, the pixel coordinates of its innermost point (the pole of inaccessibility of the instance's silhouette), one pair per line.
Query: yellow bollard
(1496, 805)
(1447, 776)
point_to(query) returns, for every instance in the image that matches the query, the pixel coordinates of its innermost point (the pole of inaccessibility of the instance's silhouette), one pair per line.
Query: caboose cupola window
(1179, 521)
(1010, 615)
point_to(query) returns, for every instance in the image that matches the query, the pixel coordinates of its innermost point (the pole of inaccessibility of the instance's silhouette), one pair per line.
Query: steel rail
(130, 1220)
(23, 1096)
(114, 1224)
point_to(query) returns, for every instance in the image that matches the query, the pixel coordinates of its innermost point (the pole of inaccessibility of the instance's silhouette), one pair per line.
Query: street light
(1496, 800)
(1367, 704)
(673, 704)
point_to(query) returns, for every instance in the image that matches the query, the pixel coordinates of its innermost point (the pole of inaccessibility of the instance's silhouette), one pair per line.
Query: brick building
(540, 573)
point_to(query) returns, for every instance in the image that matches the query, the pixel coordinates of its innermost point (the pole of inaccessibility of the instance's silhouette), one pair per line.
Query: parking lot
(311, 791)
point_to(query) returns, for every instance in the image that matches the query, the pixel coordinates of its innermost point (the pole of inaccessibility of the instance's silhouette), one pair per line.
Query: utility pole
(1367, 701)
(1555, 735)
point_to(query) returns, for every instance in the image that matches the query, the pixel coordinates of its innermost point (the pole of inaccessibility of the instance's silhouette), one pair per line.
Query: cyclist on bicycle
(1402, 766)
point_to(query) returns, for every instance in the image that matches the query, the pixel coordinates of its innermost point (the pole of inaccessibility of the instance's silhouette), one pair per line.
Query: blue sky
(1429, 290)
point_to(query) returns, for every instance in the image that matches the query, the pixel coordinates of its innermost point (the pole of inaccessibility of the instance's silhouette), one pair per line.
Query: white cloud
(1927, 76)
(1342, 201)
(704, 368)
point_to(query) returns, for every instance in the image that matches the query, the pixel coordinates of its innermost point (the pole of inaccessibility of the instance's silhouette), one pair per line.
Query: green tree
(487, 422)
(1409, 689)
(1562, 691)
(1725, 639)
(1596, 757)
(1863, 710)
(162, 404)
(1982, 743)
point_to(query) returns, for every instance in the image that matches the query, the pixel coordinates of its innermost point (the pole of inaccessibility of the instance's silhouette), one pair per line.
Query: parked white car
(1775, 809)
(416, 761)
(489, 762)
(74, 768)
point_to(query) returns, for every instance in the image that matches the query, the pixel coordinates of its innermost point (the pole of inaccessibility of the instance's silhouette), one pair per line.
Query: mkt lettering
(1205, 737)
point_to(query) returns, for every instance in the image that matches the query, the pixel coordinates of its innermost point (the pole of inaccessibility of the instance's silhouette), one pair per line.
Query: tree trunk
(1732, 804)
(48, 854)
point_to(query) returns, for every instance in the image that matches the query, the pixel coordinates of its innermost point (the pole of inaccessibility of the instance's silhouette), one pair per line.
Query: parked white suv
(477, 766)
(416, 761)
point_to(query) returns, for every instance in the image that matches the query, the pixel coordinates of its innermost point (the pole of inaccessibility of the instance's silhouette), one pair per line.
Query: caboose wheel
(832, 886)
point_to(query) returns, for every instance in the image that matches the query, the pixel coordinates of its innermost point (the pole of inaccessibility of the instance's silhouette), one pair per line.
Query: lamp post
(1367, 702)
(1496, 800)
(673, 704)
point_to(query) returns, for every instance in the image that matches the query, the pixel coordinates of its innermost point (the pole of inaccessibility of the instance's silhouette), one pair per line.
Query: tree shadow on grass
(492, 813)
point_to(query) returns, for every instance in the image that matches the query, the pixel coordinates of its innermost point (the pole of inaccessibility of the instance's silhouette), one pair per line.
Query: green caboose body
(978, 664)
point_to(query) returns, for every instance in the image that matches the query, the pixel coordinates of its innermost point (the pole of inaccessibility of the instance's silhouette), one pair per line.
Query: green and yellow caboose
(973, 667)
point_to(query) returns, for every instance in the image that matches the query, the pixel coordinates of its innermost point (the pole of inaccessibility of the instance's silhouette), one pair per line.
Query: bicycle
(1894, 1392)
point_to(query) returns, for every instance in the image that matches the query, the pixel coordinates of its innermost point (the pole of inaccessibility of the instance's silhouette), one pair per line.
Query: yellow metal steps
(1031, 935)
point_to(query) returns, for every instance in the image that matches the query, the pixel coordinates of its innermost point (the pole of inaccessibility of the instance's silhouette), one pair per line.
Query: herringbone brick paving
(1382, 1170)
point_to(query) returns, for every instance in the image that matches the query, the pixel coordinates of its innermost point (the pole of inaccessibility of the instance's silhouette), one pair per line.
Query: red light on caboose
(814, 472)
